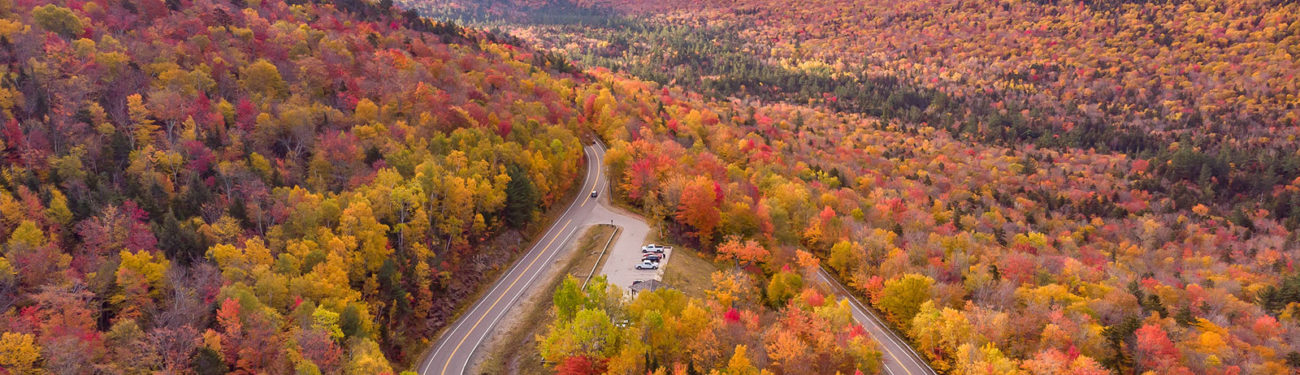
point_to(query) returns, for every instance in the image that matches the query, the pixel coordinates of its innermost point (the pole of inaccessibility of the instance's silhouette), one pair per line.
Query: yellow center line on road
(900, 363)
(503, 294)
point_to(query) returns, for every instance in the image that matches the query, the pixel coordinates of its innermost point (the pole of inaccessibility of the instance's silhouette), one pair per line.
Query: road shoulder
(518, 327)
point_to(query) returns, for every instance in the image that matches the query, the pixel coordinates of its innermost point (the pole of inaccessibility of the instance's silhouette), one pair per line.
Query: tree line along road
(453, 352)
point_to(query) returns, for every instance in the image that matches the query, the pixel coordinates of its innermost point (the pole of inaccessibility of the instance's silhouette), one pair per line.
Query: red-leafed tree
(1155, 351)
(699, 207)
(317, 347)
(580, 365)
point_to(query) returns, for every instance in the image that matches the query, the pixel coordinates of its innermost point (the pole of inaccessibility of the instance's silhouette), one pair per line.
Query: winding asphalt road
(453, 352)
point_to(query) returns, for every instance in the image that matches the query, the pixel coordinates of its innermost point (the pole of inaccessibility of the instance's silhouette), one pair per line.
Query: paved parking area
(621, 270)
(625, 253)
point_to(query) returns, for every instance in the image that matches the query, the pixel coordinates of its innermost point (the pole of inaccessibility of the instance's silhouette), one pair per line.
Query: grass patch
(689, 271)
(517, 353)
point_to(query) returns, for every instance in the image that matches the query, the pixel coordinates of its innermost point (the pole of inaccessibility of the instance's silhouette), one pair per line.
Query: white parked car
(652, 248)
(648, 265)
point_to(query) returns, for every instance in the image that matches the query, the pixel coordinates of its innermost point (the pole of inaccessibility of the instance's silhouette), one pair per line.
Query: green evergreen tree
(521, 197)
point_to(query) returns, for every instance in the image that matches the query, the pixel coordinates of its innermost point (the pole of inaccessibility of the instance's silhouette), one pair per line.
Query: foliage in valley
(313, 187)
(1130, 77)
(1039, 186)
(990, 259)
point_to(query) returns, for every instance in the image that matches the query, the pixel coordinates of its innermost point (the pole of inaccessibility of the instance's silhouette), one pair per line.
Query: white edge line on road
(883, 366)
(890, 335)
(518, 295)
(539, 269)
(429, 361)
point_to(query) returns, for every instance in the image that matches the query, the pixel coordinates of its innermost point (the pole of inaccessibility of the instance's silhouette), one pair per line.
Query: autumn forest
(327, 186)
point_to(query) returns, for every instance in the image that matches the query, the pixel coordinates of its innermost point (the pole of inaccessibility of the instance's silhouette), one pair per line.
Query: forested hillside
(1126, 77)
(259, 186)
(315, 187)
(1008, 212)
(1167, 68)
(992, 260)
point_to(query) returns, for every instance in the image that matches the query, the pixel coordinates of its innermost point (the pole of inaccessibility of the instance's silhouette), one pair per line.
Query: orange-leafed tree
(743, 252)
(699, 207)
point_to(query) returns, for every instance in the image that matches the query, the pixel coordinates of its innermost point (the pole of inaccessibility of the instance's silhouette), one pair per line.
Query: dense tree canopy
(1074, 179)
(267, 187)
(987, 257)
(259, 187)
